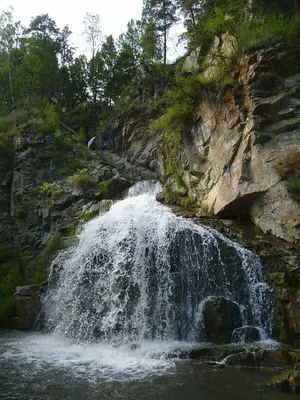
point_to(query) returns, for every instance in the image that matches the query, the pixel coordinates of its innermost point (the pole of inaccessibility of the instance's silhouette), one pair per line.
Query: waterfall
(141, 273)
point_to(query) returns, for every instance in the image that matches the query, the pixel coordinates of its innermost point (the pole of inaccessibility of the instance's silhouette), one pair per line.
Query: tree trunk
(192, 17)
(165, 45)
(297, 6)
(10, 81)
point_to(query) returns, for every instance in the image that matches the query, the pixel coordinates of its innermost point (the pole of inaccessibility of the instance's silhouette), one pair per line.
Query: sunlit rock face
(245, 143)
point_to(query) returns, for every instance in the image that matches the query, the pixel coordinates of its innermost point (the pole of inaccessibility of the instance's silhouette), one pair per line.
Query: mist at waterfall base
(126, 302)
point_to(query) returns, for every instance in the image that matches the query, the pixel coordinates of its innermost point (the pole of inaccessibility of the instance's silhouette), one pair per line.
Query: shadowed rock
(221, 317)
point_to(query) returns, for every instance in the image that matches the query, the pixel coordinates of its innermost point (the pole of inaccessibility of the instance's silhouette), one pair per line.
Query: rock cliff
(243, 146)
(246, 143)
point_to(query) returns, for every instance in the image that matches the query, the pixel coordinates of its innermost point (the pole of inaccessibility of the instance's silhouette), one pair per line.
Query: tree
(109, 56)
(37, 72)
(130, 41)
(93, 37)
(151, 45)
(66, 52)
(8, 30)
(158, 17)
(75, 83)
(42, 26)
(129, 55)
(92, 32)
(190, 9)
(65, 55)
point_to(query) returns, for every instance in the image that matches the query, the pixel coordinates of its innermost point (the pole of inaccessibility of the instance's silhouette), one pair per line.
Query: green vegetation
(293, 187)
(47, 253)
(39, 71)
(267, 29)
(71, 230)
(82, 180)
(103, 191)
(87, 215)
(11, 275)
(51, 189)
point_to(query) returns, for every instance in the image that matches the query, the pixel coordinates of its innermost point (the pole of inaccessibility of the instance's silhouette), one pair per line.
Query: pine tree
(158, 17)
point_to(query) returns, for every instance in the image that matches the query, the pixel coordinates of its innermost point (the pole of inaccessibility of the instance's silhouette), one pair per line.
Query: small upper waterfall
(139, 272)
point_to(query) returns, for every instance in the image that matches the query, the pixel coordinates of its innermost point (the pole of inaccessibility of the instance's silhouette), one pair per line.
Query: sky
(114, 14)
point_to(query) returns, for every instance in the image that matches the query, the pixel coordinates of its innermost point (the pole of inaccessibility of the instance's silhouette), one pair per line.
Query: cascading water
(141, 273)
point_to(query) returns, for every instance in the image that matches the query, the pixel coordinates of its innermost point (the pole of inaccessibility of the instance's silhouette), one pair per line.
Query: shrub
(103, 191)
(11, 275)
(47, 253)
(293, 188)
(263, 29)
(51, 189)
(82, 180)
(87, 215)
(70, 165)
(44, 118)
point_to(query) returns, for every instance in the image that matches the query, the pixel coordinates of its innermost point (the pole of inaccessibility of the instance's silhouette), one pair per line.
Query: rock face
(35, 215)
(244, 145)
(25, 306)
(221, 318)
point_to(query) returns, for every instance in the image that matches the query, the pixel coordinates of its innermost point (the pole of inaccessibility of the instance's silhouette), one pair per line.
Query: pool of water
(34, 366)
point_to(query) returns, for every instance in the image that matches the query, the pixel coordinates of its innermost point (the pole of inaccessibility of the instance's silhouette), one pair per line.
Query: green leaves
(293, 187)
(158, 17)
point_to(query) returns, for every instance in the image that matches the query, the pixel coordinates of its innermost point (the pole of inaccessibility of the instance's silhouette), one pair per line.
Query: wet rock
(221, 318)
(99, 207)
(243, 359)
(248, 356)
(278, 357)
(25, 306)
(288, 381)
(214, 353)
(246, 334)
(117, 185)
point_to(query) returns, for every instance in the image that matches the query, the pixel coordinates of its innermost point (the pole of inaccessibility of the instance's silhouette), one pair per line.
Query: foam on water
(93, 361)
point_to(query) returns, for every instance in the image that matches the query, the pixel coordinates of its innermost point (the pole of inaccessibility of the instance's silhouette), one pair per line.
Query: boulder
(242, 359)
(288, 381)
(25, 306)
(246, 334)
(221, 317)
(215, 353)
(191, 62)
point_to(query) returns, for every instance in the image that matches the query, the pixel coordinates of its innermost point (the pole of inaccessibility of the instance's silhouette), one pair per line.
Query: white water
(93, 361)
(130, 295)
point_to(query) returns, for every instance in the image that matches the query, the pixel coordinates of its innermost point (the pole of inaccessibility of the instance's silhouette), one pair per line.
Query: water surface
(34, 366)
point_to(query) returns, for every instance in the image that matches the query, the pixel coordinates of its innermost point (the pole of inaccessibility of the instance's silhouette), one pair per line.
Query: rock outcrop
(25, 306)
(245, 144)
(221, 318)
(42, 200)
